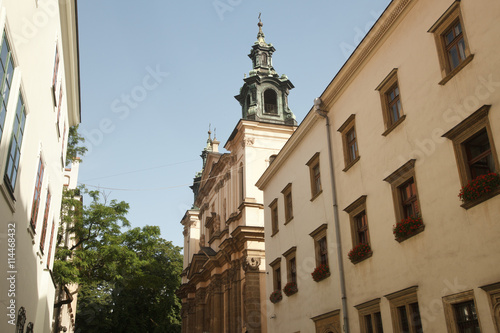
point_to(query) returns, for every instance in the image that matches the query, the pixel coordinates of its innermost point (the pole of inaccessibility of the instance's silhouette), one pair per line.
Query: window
(315, 175)
(56, 70)
(409, 201)
(474, 149)
(50, 245)
(59, 110)
(37, 195)
(270, 101)
(6, 71)
(370, 319)
(390, 97)
(404, 191)
(405, 312)
(276, 266)
(45, 222)
(460, 313)
(63, 142)
(287, 197)
(350, 142)
(451, 42)
(359, 221)
(493, 291)
(29, 328)
(274, 217)
(291, 264)
(320, 245)
(15, 145)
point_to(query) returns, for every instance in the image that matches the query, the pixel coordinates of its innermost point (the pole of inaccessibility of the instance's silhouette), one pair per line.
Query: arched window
(29, 328)
(21, 320)
(264, 60)
(248, 101)
(270, 101)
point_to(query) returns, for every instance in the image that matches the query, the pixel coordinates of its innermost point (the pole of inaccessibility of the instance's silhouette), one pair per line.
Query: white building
(40, 101)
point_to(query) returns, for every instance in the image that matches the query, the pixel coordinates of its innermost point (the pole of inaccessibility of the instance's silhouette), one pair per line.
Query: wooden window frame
(345, 129)
(318, 235)
(459, 135)
(439, 29)
(398, 178)
(387, 85)
(50, 244)
(37, 195)
(290, 256)
(273, 206)
(406, 298)
(449, 303)
(354, 210)
(313, 164)
(45, 222)
(277, 281)
(493, 292)
(370, 308)
(288, 201)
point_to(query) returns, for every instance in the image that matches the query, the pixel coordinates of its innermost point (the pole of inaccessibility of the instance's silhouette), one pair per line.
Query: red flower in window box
(479, 186)
(321, 272)
(407, 227)
(276, 296)
(290, 288)
(360, 252)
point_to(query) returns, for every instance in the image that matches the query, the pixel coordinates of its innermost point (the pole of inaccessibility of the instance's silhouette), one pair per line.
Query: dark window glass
(455, 44)
(368, 324)
(361, 228)
(479, 157)
(466, 317)
(403, 319)
(352, 145)
(394, 104)
(409, 199)
(270, 101)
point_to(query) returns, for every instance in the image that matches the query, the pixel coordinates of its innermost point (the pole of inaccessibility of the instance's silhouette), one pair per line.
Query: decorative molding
(251, 263)
(247, 142)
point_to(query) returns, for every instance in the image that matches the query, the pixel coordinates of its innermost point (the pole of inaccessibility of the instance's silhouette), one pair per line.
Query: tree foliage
(127, 279)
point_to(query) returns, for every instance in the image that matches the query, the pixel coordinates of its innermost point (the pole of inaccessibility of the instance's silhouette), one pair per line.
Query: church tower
(264, 95)
(223, 279)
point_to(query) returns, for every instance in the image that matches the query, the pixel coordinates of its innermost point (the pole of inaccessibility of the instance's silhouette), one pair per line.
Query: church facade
(223, 281)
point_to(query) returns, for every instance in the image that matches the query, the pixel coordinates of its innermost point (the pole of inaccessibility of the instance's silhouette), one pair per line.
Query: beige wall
(33, 29)
(458, 249)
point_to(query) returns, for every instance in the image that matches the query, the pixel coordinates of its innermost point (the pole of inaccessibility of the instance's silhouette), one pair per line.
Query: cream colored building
(223, 282)
(40, 101)
(413, 115)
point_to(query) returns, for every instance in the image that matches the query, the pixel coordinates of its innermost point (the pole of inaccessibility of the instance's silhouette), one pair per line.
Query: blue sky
(154, 74)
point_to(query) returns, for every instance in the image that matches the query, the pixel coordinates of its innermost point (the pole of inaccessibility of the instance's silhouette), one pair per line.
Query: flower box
(480, 189)
(321, 272)
(276, 296)
(290, 288)
(407, 228)
(359, 253)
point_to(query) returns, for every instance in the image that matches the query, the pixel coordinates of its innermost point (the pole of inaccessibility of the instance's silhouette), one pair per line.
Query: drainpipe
(324, 114)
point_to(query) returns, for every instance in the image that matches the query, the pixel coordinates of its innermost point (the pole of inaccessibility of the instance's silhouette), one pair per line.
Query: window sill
(316, 195)
(403, 238)
(456, 70)
(274, 233)
(393, 126)
(470, 204)
(288, 221)
(369, 255)
(350, 164)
